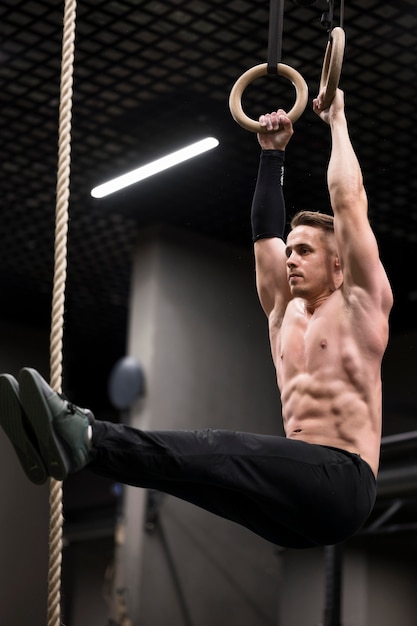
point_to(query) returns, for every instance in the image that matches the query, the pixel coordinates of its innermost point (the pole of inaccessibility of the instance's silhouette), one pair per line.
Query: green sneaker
(63, 430)
(19, 431)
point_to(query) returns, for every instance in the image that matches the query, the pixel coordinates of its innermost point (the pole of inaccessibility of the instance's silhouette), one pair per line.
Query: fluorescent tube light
(154, 167)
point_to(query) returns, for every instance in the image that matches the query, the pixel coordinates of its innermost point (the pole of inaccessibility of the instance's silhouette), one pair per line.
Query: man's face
(310, 262)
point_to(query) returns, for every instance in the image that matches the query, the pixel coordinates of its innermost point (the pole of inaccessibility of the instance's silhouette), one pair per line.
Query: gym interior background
(165, 268)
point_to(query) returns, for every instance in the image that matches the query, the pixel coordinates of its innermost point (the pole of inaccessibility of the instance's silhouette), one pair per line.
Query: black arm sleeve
(268, 206)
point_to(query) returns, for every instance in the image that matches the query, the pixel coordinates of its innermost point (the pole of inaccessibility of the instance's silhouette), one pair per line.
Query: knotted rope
(58, 296)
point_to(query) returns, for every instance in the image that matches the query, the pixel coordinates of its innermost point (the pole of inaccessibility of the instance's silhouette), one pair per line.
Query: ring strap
(276, 19)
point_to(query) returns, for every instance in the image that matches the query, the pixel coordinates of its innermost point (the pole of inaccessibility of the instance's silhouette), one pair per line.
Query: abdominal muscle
(330, 388)
(335, 418)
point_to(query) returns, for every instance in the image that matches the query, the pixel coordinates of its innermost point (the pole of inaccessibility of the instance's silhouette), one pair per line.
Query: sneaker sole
(37, 409)
(12, 421)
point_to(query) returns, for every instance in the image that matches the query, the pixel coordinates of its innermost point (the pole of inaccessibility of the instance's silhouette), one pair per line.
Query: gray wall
(24, 509)
(378, 588)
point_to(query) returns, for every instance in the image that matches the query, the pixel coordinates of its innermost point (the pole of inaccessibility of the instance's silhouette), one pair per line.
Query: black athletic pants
(292, 493)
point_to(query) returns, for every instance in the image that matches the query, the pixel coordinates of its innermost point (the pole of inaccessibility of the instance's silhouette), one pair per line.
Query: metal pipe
(397, 482)
(333, 578)
(399, 440)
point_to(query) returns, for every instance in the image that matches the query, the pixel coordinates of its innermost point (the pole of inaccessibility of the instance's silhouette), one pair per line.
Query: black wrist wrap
(268, 206)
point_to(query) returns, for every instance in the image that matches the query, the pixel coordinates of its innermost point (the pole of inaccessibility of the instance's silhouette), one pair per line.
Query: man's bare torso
(328, 371)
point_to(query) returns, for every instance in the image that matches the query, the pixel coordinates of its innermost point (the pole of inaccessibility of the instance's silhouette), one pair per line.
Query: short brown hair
(313, 218)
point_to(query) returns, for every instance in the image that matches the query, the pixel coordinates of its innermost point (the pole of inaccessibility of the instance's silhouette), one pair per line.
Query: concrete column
(198, 329)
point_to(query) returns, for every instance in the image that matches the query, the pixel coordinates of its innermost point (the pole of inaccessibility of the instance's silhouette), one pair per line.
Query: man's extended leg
(289, 492)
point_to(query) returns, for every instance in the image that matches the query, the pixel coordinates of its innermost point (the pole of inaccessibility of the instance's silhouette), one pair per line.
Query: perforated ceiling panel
(150, 76)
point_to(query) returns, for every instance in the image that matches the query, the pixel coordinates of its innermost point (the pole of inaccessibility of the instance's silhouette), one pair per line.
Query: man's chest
(306, 343)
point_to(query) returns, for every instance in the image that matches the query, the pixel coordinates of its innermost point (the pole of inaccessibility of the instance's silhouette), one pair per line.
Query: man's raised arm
(268, 214)
(356, 243)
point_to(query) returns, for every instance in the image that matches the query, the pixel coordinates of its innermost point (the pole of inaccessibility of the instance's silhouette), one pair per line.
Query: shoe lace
(70, 405)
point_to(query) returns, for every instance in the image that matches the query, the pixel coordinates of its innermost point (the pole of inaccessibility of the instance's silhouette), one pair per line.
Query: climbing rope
(58, 296)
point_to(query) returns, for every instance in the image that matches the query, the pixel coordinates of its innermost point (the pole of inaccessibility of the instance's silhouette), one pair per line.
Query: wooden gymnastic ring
(332, 65)
(235, 98)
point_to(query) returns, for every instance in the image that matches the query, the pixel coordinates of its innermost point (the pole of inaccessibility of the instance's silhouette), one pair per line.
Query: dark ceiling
(151, 76)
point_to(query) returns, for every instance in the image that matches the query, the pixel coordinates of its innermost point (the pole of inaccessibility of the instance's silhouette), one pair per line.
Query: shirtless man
(329, 329)
(327, 299)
